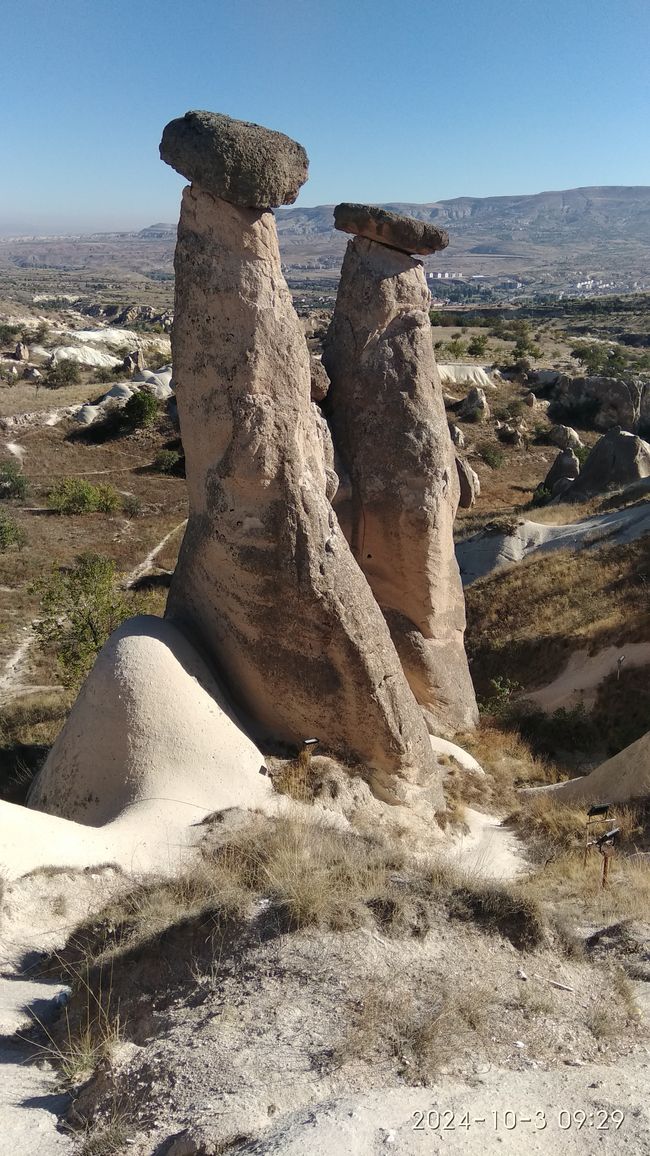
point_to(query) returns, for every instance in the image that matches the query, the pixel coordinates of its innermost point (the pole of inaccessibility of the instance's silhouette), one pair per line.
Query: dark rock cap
(243, 163)
(394, 229)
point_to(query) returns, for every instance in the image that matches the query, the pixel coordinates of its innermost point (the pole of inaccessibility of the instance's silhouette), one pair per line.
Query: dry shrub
(509, 764)
(553, 827)
(419, 1029)
(569, 881)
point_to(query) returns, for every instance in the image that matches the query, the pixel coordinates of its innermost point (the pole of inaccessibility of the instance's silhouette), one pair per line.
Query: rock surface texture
(265, 583)
(618, 459)
(150, 722)
(400, 232)
(389, 426)
(243, 163)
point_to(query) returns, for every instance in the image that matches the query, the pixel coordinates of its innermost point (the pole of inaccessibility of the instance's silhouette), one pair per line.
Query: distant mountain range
(605, 228)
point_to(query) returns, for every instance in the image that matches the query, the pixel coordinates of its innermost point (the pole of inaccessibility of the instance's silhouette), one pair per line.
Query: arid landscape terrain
(323, 966)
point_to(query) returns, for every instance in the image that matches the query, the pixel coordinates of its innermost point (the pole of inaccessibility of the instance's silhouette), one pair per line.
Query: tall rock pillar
(388, 421)
(266, 584)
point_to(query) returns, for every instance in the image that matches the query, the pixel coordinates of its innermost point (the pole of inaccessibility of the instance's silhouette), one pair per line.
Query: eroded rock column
(266, 584)
(388, 420)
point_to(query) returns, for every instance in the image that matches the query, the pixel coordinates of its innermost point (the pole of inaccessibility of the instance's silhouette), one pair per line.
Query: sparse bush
(140, 411)
(11, 533)
(61, 373)
(499, 702)
(13, 483)
(77, 496)
(132, 506)
(80, 608)
(8, 333)
(455, 348)
(477, 345)
(167, 461)
(492, 456)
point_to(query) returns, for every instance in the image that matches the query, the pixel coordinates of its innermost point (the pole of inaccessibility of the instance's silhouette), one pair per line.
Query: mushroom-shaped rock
(266, 583)
(389, 426)
(242, 163)
(394, 229)
(149, 722)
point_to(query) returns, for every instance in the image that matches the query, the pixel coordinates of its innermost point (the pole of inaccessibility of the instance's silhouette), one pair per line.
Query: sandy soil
(583, 674)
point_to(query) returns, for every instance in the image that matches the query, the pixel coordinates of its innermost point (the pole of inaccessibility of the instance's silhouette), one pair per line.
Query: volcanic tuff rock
(265, 580)
(150, 722)
(470, 485)
(389, 426)
(618, 459)
(243, 163)
(563, 472)
(405, 233)
(474, 407)
(565, 438)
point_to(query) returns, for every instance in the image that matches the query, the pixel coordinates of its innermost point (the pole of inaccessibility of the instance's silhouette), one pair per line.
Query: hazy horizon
(50, 225)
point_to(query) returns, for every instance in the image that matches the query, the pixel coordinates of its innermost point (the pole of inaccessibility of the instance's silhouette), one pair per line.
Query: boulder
(565, 438)
(565, 469)
(604, 402)
(265, 581)
(530, 399)
(242, 163)
(474, 407)
(457, 436)
(470, 485)
(134, 361)
(618, 459)
(320, 382)
(389, 425)
(21, 352)
(150, 722)
(510, 434)
(32, 374)
(400, 232)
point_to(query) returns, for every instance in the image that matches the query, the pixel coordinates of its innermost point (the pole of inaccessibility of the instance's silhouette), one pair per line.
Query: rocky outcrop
(618, 459)
(134, 362)
(150, 722)
(565, 438)
(562, 474)
(625, 778)
(603, 402)
(244, 163)
(470, 485)
(457, 435)
(474, 407)
(394, 229)
(389, 426)
(320, 382)
(21, 352)
(265, 582)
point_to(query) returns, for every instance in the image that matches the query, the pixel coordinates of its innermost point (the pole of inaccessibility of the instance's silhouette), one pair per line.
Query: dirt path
(487, 848)
(145, 566)
(583, 674)
(15, 667)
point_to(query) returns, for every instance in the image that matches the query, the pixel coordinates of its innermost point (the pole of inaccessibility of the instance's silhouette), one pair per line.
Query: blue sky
(393, 100)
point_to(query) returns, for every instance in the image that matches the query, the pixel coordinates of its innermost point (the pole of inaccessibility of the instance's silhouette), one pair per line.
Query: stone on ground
(618, 459)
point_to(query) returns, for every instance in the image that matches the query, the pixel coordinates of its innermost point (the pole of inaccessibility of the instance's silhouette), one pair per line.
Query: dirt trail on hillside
(145, 566)
(583, 674)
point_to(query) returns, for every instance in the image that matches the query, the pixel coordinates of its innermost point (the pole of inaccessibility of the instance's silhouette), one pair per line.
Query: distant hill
(569, 215)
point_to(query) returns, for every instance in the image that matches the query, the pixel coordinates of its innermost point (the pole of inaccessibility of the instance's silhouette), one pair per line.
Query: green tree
(140, 411)
(80, 608)
(477, 345)
(13, 483)
(60, 373)
(77, 496)
(10, 533)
